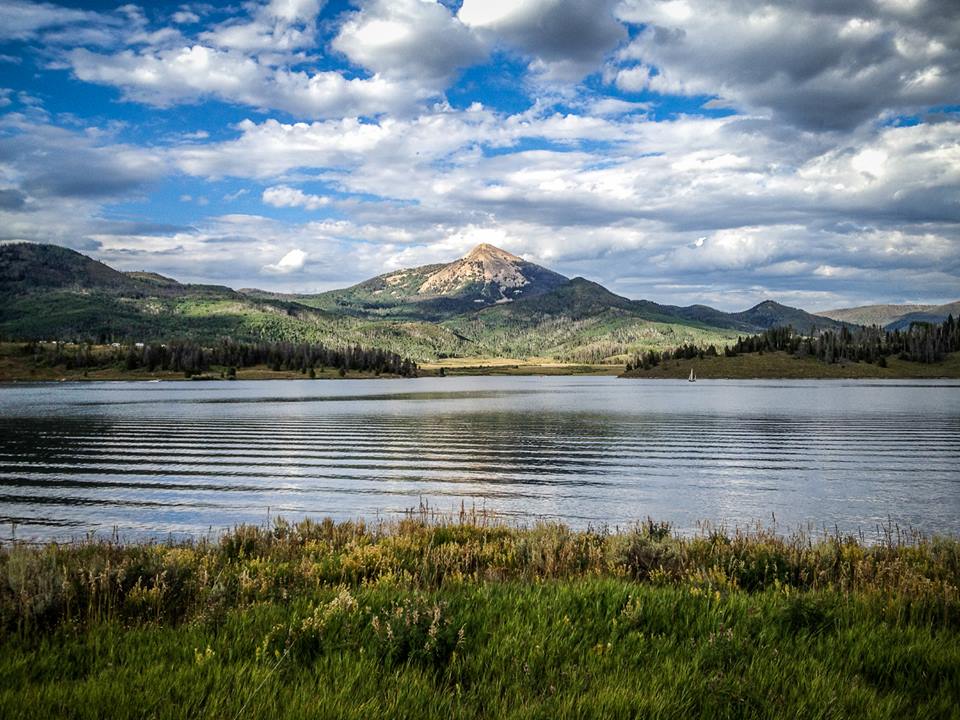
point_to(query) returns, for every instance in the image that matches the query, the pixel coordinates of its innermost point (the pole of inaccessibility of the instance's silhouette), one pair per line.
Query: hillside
(580, 321)
(770, 314)
(53, 293)
(27, 268)
(880, 315)
(936, 314)
(894, 317)
(489, 303)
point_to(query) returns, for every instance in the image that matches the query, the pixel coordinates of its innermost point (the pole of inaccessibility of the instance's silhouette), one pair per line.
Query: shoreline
(16, 368)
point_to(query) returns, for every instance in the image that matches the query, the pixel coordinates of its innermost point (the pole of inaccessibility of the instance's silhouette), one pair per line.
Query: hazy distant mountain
(881, 315)
(488, 303)
(936, 314)
(893, 317)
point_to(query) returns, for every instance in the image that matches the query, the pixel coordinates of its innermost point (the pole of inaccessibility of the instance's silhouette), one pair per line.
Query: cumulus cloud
(809, 191)
(190, 74)
(408, 39)
(286, 196)
(292, 262)
(722, 198)
(49, 162)
(566, 38)
(821, 66)
(277, 25)
(185, 17)
(262, 59)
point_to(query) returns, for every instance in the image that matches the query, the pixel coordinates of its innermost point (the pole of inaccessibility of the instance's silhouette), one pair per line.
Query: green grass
(469, 620)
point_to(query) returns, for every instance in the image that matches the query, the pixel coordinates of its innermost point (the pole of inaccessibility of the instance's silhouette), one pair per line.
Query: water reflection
(178, 458)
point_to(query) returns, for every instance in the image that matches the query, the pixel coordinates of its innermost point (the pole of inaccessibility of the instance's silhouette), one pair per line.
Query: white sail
(693, 375)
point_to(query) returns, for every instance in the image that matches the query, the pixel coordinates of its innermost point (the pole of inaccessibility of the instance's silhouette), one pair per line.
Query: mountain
(579, 321)
(870, 315)
(486, 276)
(27, 267)
(770, 314)
(582, 321)
(936, 314)
(894, 317)
(488, 303)
(50, 292)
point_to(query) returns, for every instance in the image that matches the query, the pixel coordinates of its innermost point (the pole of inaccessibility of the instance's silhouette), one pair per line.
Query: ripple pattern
(585, 451)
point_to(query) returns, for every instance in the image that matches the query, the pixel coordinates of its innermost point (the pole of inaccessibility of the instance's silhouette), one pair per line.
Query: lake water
(187, 458)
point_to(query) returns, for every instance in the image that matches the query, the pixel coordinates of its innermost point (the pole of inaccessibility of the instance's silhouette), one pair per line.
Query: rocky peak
(484, 252)
(485, 265)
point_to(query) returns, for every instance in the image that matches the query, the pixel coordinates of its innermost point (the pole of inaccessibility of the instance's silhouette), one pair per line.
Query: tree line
(192, 358)
(921, 342)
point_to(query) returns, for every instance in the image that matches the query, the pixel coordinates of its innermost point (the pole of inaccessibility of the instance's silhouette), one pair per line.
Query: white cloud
(193, 73)
(566, 38)
(797, 196)
(185, 17)
(724, 199)
(49, 162)
(286, 196)
(823, 66)
(292, 262)
(277, 26)
(408, 39)
(21, 20)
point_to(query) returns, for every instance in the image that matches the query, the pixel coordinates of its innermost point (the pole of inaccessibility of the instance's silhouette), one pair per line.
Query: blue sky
(715, 151)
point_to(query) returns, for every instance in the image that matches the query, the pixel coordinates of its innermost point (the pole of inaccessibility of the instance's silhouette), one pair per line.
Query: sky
(685, 151)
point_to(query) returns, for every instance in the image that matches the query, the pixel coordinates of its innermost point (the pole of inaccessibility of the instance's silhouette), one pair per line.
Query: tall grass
(470, 618)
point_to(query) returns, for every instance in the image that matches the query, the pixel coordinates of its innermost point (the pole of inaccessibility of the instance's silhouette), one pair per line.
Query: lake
(189, 458)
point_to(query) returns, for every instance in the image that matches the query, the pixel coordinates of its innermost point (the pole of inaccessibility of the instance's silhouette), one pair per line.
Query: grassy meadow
(515, 366)
(470, 619)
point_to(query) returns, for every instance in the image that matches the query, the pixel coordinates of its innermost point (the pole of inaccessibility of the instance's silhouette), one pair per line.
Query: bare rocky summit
(485, 266)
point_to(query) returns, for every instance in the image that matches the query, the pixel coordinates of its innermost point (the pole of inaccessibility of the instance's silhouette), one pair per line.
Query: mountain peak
(485, 266)
(488, 252)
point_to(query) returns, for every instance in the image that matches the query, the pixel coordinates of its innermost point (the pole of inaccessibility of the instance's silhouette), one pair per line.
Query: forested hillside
(192, 358)
(920, 343)
(487, 304)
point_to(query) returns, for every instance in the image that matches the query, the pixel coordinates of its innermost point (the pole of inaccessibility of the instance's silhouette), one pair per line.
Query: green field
(475, 620)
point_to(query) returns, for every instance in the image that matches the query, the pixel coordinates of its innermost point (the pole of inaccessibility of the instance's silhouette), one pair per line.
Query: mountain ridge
(487, 303)
(894, 317)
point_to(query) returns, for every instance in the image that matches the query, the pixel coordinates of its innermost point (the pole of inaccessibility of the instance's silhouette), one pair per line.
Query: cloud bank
(682, 150)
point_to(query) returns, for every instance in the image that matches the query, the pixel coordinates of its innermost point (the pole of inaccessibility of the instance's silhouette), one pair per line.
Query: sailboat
(693, 376)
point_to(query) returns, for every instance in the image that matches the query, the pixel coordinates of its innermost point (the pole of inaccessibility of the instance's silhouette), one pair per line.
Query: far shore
(783, 366)
(15, 368)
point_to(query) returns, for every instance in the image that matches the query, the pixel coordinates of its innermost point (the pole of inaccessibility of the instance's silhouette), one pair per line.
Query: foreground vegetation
(471, 619)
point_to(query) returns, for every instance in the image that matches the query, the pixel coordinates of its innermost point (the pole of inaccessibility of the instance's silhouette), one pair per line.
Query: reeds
(467, 617)
(95, 580)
